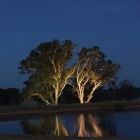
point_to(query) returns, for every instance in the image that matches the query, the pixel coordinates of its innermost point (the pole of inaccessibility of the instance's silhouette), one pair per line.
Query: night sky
(114, 25)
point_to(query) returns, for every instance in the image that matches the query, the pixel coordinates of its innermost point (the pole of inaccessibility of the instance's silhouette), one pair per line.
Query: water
(117, 124)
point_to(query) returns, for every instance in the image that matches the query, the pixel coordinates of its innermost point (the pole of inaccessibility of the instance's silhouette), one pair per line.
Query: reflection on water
(116, 124)
(82, 125)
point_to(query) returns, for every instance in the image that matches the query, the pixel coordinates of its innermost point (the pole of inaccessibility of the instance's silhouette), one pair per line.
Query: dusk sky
(114, 25)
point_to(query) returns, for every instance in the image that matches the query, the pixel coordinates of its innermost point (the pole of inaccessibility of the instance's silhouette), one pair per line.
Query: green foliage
(93, 68)
(47, 67)
(48, 70)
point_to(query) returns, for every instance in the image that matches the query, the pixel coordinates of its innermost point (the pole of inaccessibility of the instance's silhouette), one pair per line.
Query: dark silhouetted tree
(10, 96)
(126, 90)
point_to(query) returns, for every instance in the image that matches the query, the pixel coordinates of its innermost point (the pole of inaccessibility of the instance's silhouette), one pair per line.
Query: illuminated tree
(50, 125)
(89, 125)
(93, 68)
(47, 66)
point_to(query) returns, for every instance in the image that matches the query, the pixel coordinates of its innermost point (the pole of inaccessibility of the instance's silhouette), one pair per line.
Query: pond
(89, 124)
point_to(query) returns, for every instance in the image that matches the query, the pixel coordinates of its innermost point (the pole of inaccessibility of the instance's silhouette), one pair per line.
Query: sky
(113, 25)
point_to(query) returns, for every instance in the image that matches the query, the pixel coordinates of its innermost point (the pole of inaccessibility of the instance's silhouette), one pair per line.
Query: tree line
(116, 91)
(49, 70)
(10, 96)
(54, 77)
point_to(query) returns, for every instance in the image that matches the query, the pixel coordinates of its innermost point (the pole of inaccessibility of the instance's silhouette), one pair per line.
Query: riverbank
(18, 111)
(27, 137)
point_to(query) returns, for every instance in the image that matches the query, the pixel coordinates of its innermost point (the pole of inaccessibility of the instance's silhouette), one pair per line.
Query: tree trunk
(92, 92)
(81, 95)
(56, 97)
(56, 94)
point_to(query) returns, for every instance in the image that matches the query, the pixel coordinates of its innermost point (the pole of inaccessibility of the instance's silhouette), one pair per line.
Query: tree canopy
(93, 68)
(48, 68)
(49, 73)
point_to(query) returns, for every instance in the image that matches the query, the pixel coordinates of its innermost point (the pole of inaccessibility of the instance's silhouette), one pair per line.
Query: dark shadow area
(10, 96)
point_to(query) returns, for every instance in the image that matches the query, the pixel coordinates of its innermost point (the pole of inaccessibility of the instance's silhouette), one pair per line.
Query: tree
(93, 68)
(48, 70)
(126, 90)
(10, 96)
(50, 125)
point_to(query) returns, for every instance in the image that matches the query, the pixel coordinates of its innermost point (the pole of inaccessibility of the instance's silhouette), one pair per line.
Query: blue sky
(114, 25)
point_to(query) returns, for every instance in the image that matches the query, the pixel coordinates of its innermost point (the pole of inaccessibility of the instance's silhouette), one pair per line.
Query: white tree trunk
(92, 92)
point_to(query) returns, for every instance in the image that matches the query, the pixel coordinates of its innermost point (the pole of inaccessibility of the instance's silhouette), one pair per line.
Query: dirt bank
(18, 111)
